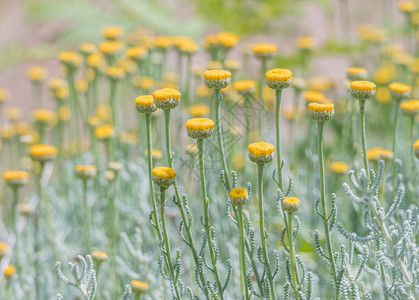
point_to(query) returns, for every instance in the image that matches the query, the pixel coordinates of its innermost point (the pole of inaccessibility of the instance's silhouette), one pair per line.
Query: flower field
(146, 164)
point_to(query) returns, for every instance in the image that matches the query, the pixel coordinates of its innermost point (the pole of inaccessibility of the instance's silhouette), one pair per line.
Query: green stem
(278, 95)
(188, 80)
(15, 191)
(364, 139)
(262, 232)
(166, 241)
(208, 228)
(180, 202)
(219, 129)
(410, 142)
(261, 85)
(73, 105)
(393, 148)
(323, 202)
(292, 255)
(87, 215)
(242, 253)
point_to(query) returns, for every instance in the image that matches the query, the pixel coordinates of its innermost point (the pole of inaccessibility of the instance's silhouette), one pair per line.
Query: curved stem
(219, 98)
(262, 231)
(278, 95)
(242, 253)
(323, 202)
(364, 139)
(208, 228)
(166, 241)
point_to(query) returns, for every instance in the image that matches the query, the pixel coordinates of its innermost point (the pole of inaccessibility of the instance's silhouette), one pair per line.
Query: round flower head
(356, 73)
(191, 149)
(291, 204)
(104, 132)
(199, 128)
(410, 108)
(261, 152)
(399, 91)
(85, 171)
(163, 176)
(245, 86)
(238, 196)
(155, 154)
(199, 110)
(339, 167)
(416, 148)
(139, 287)
(112, 32)
(145, 104)
(15, 178)
(115, 166)
(3, 249)
(99, 256)
(314, 96)
(136, 53)
(217, 79)
(9, 271)
(166, 98)
(70, 59)
(188, 47)
(362, 90)
(264, 50)
(4, 94)
(110, 48)
(37, 73)
(321, 112)
(42, 152)
(278, 79)
(44, 116)
(407, 6)
(374, 153)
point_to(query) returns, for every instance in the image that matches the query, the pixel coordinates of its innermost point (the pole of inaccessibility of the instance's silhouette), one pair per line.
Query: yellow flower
(145, 104)
(44, 116)
(4, 94)
(82, 85)
(314, 96)
(356, 73)
(3, 249)
(339, 167)
(291, 204)
(199, 128)
(232, 64)
(95, 60)
(146, 83)
(384, 74)
(321, 112)
(227, 39)
(104, 132)
(21, 127)
(383, 94)
(94, 121)
(43, 152)
(261, 152)
(377, 153)
(136, 53)
(166, 98)
(304, 42)
(70, 58)
(264, 49)
(399, 91)
(238, 161)
(111, 47)
(202, 91)
(163, 42)
(112, 32)
(9, 271)
(188, 47)
(99, 256)
(245, 86)
(199, 110)
(155, 153)
(163, 176)
(238, 196)
(407, 6)
(37, 73)
(62, 93)
(85, 171)
(214, 65)
(15, 177)
(278, 78)
(217, 79)
(56, 83)
(139, 286)
(410, 108)
(362, 89)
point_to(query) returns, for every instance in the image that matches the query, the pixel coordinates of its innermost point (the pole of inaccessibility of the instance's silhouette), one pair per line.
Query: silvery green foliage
(391, 240)
(84, 276)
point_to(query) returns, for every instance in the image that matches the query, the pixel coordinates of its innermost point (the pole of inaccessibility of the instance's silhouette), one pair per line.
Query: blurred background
(36, 30)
